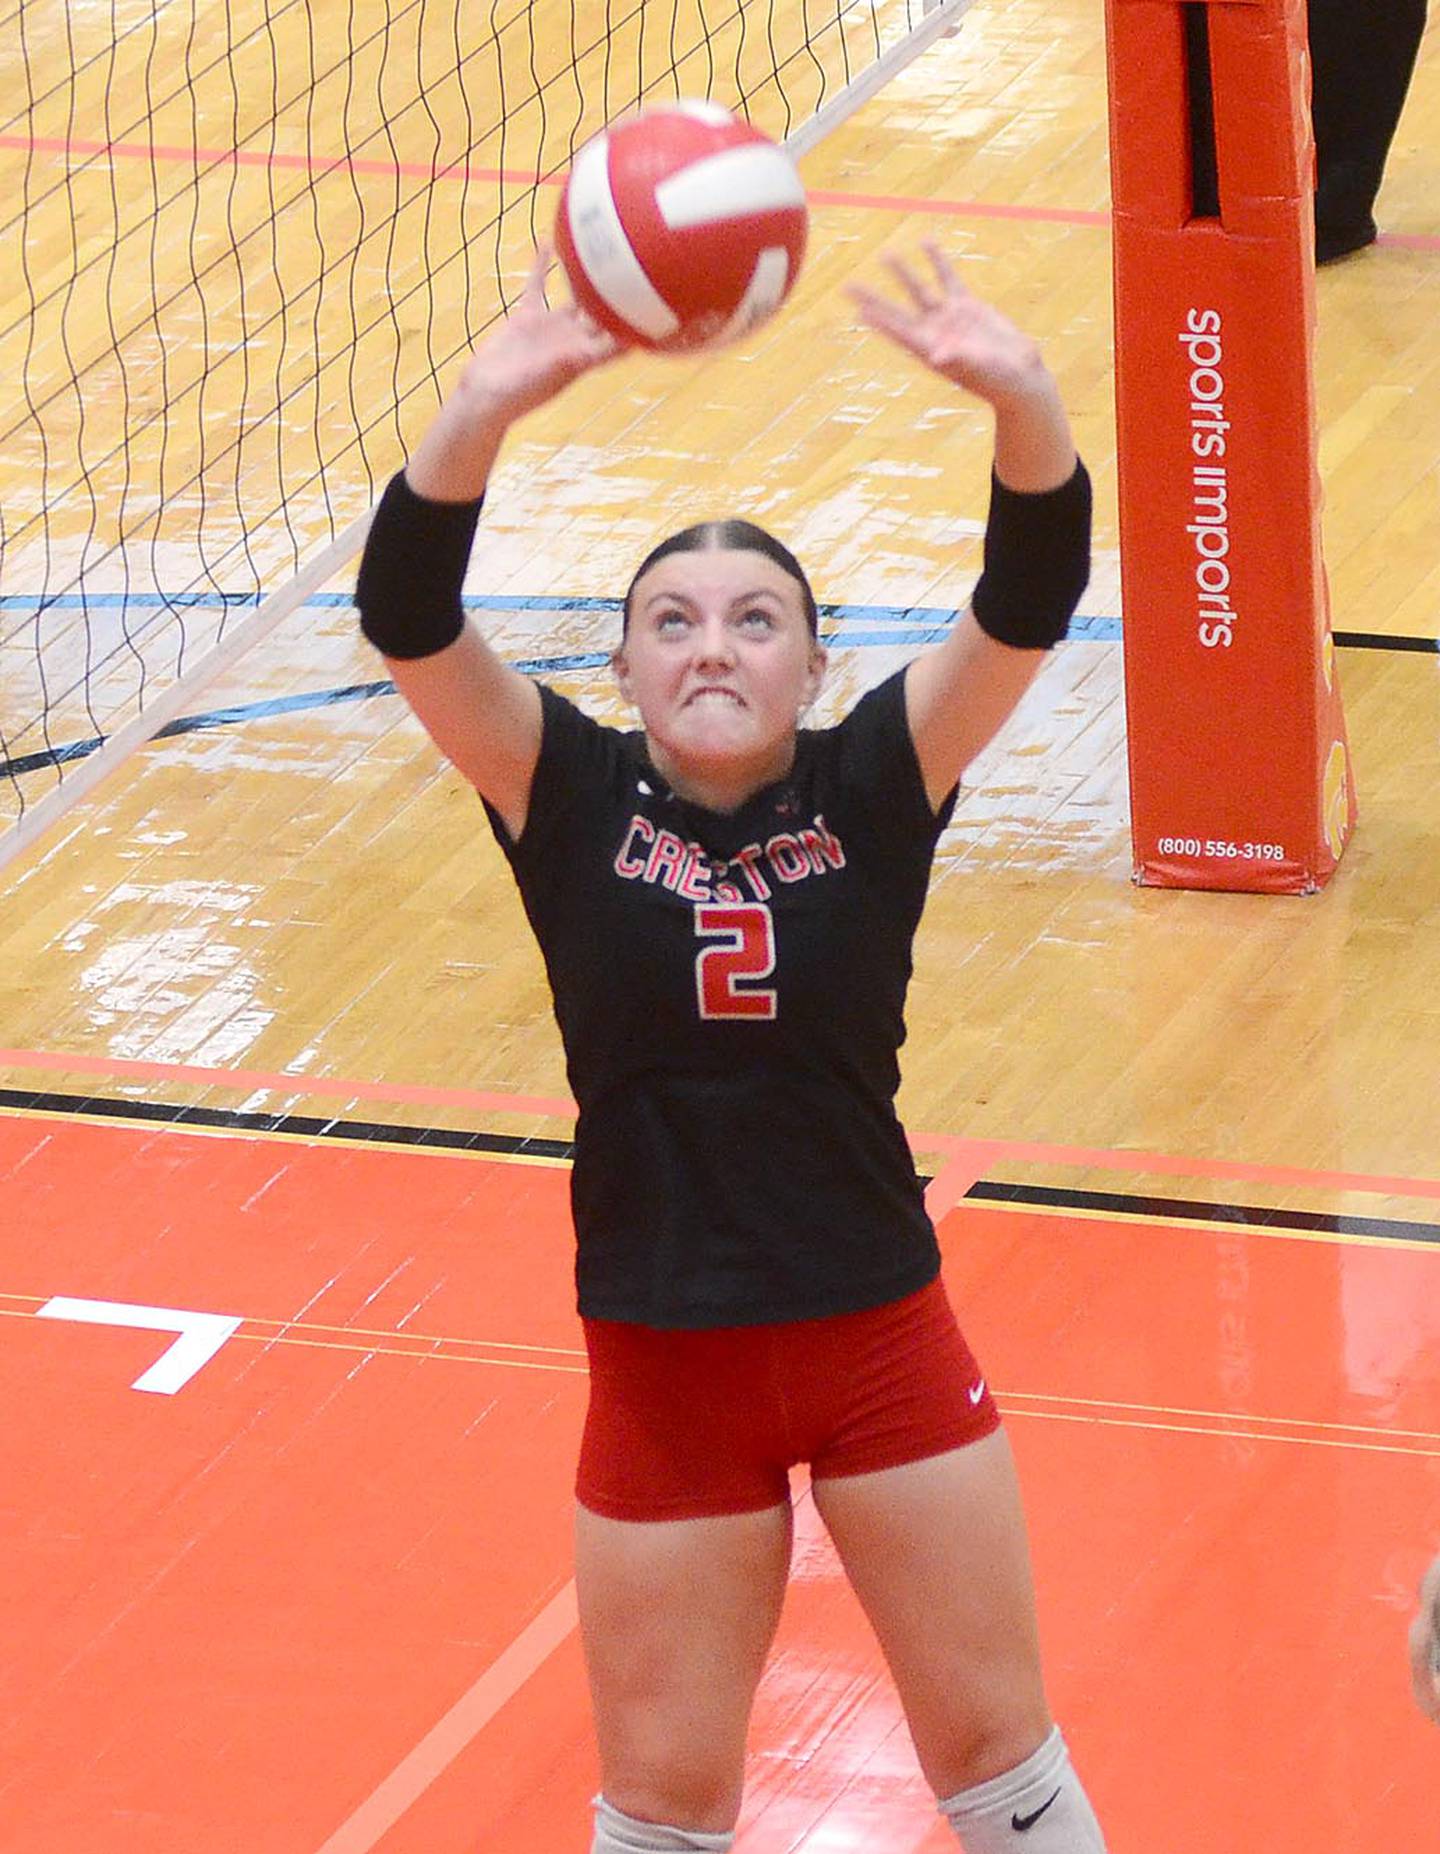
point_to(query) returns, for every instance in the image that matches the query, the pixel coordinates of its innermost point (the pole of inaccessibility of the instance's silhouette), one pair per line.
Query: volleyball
(681, 227)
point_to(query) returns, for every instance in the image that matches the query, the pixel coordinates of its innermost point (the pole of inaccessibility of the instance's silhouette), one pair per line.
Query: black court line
(1378, 640)
(1249, 1216)
(195, 724)
(1083, 630)
(451, 1139)
(298, 1126)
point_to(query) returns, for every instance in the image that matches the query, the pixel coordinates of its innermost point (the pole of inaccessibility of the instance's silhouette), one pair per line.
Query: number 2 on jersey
(744, 950)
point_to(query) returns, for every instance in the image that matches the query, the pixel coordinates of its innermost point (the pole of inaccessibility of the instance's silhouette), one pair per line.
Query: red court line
(65, 146)
(974, 1155)
(1178, 1165)
(949, 1185)
(251, 157)
(444, 1742)
(156, 153)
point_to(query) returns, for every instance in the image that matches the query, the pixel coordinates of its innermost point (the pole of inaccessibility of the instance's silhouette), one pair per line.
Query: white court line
(444, 1742)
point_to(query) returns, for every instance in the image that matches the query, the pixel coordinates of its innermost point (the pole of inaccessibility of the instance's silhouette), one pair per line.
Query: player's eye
(673, 620)
(756, 618)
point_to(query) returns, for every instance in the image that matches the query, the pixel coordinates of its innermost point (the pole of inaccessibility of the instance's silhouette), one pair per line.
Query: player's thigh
(936, 1551)
(676, 1618)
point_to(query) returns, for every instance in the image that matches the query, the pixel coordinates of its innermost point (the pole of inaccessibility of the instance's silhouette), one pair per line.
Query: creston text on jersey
(650, 853)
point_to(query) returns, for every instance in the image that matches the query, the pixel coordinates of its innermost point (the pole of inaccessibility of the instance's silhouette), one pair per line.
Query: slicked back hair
(721, 537)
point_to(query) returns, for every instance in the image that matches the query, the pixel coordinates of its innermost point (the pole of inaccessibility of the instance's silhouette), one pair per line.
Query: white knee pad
(618, 1833)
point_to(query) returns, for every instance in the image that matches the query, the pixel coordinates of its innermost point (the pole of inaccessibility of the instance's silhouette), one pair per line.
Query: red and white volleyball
(681, 227)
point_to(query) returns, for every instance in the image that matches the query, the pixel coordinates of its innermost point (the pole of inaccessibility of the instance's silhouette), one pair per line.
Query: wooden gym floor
(276, 1051)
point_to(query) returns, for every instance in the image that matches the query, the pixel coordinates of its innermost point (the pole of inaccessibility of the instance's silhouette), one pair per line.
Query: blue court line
(934, 619)
(1092, 628)
(927, 623)
(1082, 628)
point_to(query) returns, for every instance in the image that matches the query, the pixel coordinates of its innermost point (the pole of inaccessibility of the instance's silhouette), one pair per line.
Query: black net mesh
(242, 242)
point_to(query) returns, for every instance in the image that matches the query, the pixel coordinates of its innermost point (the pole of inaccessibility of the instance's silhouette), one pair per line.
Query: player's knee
(982, 1743)
(699, 1799)
(671, 1757)
(1035, 1807)
(623, 1831)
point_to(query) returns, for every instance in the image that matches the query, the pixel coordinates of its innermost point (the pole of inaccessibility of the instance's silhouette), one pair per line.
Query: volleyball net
(243, 243)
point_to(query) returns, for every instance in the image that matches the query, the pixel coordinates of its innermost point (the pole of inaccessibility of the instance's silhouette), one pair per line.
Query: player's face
(719, 659)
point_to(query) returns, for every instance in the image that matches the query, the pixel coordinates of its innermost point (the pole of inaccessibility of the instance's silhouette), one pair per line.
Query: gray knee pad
(618, 1833)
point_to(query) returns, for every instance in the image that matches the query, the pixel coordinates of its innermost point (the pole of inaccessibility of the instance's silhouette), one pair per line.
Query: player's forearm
(453, 461)
(1034, 450)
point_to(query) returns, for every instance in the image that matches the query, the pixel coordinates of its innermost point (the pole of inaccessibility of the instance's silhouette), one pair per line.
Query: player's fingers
(945, 272)
(919, 293)
(878, 310)
(904, 339)
(600, 344)
(572, 344)
(534, 290)
(879, 313)
(868, 298)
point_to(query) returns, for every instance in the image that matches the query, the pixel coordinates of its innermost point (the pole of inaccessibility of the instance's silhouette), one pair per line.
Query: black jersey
(730, 990)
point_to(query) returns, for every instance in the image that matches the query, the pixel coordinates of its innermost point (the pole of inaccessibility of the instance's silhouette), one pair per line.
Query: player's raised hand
(1425, 1646)
(967, 340)
(952, 331)
(523, 362)
(535, 352)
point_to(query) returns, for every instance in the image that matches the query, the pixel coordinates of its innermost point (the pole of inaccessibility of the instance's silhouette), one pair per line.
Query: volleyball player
(1425, 1646)
(725, 902)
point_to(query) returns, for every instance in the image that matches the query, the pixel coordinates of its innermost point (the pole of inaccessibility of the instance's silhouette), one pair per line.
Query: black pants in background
(1362, 53)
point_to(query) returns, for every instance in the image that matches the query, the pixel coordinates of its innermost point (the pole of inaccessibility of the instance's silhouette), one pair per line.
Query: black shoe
(1338, 241)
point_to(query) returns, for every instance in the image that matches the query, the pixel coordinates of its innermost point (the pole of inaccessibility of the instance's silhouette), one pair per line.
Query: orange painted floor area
(315, 1601)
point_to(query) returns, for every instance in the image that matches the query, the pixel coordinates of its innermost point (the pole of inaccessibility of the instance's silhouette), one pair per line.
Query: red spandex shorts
(683, 1425)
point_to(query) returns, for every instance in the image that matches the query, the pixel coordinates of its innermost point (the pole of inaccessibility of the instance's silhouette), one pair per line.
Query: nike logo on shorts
(976, 1391)
(1020, 1823)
